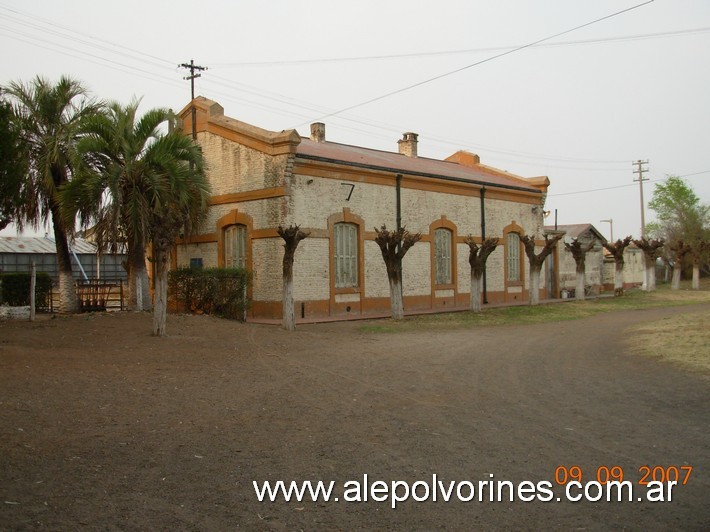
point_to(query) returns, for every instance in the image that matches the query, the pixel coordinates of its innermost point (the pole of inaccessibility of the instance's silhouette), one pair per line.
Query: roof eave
(395, 171)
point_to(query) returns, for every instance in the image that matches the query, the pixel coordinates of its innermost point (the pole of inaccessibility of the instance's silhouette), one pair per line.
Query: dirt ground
(104, 427)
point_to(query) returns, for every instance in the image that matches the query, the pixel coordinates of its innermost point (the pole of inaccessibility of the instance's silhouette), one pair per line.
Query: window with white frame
(513, 251)
(442, 256)
(346, 243)
(235, 246)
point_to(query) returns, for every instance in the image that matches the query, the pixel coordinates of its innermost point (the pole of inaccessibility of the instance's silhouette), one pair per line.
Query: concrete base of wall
(324, 310)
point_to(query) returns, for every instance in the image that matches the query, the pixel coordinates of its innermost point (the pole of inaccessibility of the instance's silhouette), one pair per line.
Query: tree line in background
(680, 237)
(71, 158)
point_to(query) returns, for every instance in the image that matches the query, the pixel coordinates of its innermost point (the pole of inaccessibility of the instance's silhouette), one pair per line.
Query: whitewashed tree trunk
(292, 236)
(675, 284)
(579, 284)
(160, 310)
(145, 289)
(651, 276)
(646, 285)
(618, 278)
(696, 277)
(67, 293)
(535, 285)
(396, 299)
(475, 292)
(289, 316)
(139, 285)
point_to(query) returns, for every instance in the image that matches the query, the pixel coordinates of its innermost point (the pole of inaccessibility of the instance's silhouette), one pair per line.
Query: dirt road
(106, 427)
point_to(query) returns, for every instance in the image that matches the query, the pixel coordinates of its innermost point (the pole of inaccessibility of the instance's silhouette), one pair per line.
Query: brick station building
(339, 193)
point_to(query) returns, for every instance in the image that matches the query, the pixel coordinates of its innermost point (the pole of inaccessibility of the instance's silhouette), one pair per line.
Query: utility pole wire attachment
(194, 73)
(192, 67)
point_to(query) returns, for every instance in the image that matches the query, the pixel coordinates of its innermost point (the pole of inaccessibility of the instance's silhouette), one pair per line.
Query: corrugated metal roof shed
(29, 244)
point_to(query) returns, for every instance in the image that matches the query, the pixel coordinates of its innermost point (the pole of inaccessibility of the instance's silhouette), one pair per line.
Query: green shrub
(219, 291)
(15, 289)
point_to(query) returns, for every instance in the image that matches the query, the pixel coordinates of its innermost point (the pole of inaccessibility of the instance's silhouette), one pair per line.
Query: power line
(69, 29)
(622, 186)
(154, 61)
(387, 127)
(602, 40)
(101, 61)
(477, 63)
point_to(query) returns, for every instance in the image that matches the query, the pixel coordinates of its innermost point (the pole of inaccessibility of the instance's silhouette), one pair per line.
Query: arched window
(235, 246)
(513, 256)
(442, 256)
(346, 262)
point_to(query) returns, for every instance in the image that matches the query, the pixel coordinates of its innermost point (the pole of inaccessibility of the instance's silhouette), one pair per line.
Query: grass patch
(568, 310)
(680, 340)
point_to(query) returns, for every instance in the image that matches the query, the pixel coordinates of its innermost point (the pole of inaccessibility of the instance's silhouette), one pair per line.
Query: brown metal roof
(396, 162)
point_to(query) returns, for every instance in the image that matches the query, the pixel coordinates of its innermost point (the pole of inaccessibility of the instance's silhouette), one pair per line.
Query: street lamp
(610, 221)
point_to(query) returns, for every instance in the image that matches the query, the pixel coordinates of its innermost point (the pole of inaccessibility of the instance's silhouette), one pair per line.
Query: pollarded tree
(477, 257)
(536, 262)
(292, 237)
(49, 118)
(616, 249)
(679, 249)
(394, 246)
(579, 254)
(651, 249)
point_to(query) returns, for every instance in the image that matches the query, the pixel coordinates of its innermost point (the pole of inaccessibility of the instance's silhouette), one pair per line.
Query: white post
(33, 282)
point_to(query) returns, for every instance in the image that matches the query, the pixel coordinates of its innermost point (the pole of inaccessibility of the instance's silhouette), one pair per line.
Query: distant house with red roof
(339, 193)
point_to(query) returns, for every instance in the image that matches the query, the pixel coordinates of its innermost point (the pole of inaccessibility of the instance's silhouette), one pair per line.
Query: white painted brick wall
(416, 270)
(236, 168)
(311, 268)
(206, 251)
(376, 283)
(495, 270)
(310, 205)
(267, 255)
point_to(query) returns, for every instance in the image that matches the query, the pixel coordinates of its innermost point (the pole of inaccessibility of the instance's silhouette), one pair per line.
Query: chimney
(318, 132)
(408, 144)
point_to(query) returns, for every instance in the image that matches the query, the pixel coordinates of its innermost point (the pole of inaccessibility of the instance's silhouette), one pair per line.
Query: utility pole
(640, 170)
(194, 73)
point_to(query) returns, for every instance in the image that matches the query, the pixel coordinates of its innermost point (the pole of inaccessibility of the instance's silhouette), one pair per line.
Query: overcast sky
(578, 108)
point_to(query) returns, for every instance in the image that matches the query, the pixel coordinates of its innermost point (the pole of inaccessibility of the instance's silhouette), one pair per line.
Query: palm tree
(138, 185)
(180, 199)
(50, 118)
(114, 190)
